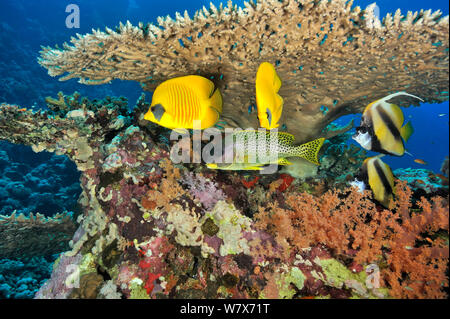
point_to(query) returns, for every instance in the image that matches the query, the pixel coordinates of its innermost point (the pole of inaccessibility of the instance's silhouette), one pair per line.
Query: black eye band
(361, 129)
(158, 111)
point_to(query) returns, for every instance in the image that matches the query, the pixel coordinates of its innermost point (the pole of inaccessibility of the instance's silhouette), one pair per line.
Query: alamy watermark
(73, 19)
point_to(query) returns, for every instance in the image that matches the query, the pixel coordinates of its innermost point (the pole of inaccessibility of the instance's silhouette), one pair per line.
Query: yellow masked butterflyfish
(268, 102)
(381, 129)
(178, 102)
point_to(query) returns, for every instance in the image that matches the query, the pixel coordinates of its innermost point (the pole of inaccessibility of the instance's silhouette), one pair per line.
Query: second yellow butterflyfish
(268, 102)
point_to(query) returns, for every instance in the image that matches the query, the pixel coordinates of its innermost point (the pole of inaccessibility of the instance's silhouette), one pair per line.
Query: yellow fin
(310, 150)
(406, 131)
(397, 116)
(286, 138)
(216, 101)
(201, 85)
(283, 161)
(253, 168)
(181, 130)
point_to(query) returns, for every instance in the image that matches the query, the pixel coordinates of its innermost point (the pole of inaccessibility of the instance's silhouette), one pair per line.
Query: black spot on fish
(158, 111)
(269, 116)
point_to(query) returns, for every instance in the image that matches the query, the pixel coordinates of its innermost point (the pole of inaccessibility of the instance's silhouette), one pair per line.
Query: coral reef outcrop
(153, 229)
(21, 279)
(149, 229)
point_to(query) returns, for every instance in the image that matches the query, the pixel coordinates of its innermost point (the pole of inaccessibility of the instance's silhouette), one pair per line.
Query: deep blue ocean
(49, 184)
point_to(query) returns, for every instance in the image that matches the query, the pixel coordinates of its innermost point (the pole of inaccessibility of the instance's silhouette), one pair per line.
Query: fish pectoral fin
(283, 161)
(254, 168)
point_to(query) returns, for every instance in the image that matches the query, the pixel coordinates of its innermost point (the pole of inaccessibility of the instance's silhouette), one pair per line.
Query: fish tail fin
(310, 150)
(406, 131)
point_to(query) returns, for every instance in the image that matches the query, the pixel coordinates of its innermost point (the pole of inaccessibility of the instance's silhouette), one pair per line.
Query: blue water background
(32, 23)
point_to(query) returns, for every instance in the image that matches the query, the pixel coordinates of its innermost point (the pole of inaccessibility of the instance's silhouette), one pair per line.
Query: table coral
(34, 235)
(329, 56)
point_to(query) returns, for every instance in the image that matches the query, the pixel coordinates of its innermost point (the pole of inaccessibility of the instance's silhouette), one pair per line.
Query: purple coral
(56, 287)
(203, 189)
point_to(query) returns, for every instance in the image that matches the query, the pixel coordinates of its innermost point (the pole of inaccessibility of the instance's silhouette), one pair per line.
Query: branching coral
(333, 59)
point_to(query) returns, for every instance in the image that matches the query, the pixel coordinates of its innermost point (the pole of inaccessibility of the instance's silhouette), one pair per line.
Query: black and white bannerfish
(381, 129)
(378, 176)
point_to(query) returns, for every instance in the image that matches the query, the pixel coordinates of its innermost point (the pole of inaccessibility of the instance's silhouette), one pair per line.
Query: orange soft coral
(351, 225)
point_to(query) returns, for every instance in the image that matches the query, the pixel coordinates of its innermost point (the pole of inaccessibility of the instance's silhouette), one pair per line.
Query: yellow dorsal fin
(203, 87)
(395, 113)
(276, 80)
(388, 97)
(286, 138)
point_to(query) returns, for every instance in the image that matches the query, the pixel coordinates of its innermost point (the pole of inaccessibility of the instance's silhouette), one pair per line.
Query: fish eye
(361, 129)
